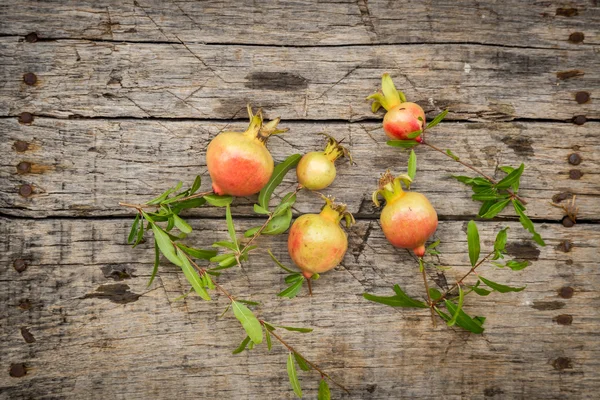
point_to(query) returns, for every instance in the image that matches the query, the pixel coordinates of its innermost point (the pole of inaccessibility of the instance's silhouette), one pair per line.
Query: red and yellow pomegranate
(408, 218)
(402, 117)
(316, 242)
(316, 170)
(240, 164)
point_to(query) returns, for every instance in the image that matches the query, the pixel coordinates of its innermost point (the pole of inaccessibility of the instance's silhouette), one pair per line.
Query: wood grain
(155, 347)
(311, 23)
(86, 167)
(478, 83)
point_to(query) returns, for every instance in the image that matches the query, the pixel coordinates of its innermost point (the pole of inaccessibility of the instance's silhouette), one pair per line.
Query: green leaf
(218, 201)
(488, 194)
(165, 245)
(295, 329)
(242, 346)
(192, 275)
(527, 224)
(434, 244)
(518, 204)
(452, 155)
(268, 326)
(517, 265)
(174, 199)
(228, 261)
(181, 224)
(286, 203)
(412, 165)
(407, 144)
(434, 294)
(279, 173)
(463, 320)
(195, 185)
(473, 242)
(183, 296)
(401, 299)
(162, 197)
(511, 178)
(279, 263)
(293, 278)
(201, 254)
(414, 135)
(479, 320)
(185, 204)
(293, 290)
(301, 362)
(500, 242)
(268, 337)
(480, 291)
(170, 224)
(226, 244)
(134, 228)
(485, 206)
(278, 225)
(291, 370)
(324, 393)
(156, 263)
(140, 234)
(438, 118)
(259, 210)
(495, 209)
(500, 288)
(230, 226)
(249, 321)
(461, 297)
(250, 232)
(250, 303)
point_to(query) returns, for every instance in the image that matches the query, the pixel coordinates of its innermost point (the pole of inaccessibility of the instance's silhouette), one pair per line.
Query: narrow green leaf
(463, 320)
(218, 201)
(301, 362)
(414, 135)
(181, 224)
(268, 326)
(286, 203)
(324, 393)
(156, 263)
(452, 155)
(495, 209)
(134, 229)
(473, 242)
(164, 195)
(248, 302)
(195, 185)
(140, 234)
(438, 118)
(461, 297)
(230, 226)
(268, 337)
(279, 263)
(500, 242)
(259, 210)
(480, 291)
(185, 204)
(434, 294)
(249, 322)
(279, 173)
(242, 346)
(292, 278)
(517, 265)
(201, 254)
(511, 178)
(226, 244)
(488, 195)
(173, 199)
(407, 144)
(279, 225)
(412, 165)
(291, 370)
(479, 320)
(250, 232)
(295, 329)
(518, 204)
(192, 275)
(500, 288)
(434, 244)
(228, 262)
(293, 290)
(170, 224)
(183, 296)
(165, 245)
(401, 299)
(527, 224)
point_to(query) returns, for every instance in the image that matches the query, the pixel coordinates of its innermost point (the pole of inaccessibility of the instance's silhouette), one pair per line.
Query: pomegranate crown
(337, 211)
(259, 130)
(390, 187)
(334, 149)
(388, 97)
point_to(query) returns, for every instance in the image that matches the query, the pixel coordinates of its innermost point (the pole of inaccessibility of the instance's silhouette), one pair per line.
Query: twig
(427, 290)
(309, 286)
(443, 296)
(316, 368)
(141, 206)
(489, 178)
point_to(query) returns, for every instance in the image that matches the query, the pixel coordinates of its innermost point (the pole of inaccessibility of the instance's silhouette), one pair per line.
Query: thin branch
(315, 367)
(489, 178)
(429, 302)
(141, 206)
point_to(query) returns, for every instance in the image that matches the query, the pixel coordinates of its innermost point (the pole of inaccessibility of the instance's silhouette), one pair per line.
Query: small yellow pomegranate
(316, 170)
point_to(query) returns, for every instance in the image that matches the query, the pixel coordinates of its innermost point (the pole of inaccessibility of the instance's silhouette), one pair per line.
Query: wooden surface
(127, 97)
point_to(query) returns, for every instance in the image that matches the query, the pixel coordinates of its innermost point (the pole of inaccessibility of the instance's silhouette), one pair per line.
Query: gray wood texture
(128, 95)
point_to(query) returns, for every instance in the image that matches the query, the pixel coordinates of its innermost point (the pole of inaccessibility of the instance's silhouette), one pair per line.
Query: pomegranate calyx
(390, 188)
(334, 149)
(259, 130)
(389, 97)
(336, 211)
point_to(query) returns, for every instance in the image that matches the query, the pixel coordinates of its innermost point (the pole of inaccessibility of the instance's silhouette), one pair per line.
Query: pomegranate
(408, 218)
(402, 117)
(240, 164)
(316, 242)
(316, 170)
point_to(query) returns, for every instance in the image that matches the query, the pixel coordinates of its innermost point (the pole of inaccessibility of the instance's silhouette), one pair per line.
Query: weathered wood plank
(153, 347)
(214, 81)
(85, 167)
(506, 23)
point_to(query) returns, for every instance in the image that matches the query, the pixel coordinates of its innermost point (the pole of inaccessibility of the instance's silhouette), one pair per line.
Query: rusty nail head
(18, 370)
(582, 97)
(566, 292)
(567, 222)
(575, 174)
(574, 159)
(21, 146)
(31, 37)
(25, 190)
(26, 118)
(24, 167)
(20, 265)
(580, 120)
(576, 37)
(30, 78)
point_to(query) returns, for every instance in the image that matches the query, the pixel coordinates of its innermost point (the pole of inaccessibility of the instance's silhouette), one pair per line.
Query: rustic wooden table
(104, 101)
